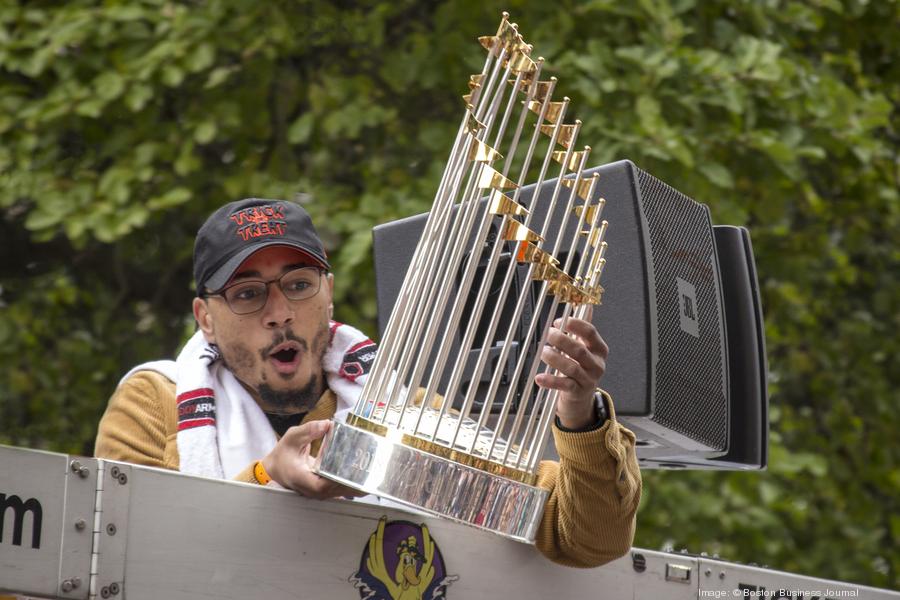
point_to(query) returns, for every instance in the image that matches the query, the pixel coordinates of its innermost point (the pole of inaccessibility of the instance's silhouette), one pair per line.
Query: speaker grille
(691, 394)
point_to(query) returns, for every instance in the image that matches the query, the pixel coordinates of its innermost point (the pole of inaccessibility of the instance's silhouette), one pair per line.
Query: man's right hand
(290, 464)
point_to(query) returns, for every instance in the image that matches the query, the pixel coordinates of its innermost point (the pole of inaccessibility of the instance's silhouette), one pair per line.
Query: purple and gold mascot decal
(401, 562)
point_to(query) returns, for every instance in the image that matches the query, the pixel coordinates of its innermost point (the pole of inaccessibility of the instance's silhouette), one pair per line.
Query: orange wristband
(259, 471)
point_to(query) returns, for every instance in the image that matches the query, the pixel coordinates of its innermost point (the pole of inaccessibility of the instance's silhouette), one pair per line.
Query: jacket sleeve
(140, 425)
(595, 489)
(135, 427)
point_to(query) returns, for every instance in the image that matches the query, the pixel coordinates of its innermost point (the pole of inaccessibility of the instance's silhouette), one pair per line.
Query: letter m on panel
(18, 509)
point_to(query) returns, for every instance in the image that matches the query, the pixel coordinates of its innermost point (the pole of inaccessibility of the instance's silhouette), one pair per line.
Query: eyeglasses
(247, 297)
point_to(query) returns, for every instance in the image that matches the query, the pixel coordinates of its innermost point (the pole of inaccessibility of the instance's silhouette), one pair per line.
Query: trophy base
(377, 465)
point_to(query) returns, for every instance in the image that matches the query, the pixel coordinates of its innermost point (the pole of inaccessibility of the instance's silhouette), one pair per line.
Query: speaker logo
(687, 307)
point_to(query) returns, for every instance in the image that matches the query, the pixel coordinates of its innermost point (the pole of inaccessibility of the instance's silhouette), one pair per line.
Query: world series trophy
(416, 435)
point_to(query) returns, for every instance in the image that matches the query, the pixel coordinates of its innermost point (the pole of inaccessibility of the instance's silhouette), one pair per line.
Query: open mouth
(285, 356)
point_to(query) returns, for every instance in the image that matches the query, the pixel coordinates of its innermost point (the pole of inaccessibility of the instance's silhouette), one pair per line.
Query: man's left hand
(580, 360)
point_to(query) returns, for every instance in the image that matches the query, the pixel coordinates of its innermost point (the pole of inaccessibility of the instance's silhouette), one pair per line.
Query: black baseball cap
(238, 229)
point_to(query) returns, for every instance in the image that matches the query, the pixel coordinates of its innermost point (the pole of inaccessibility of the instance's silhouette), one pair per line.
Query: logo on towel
(358, 360)
(401, 561)
(196, 409)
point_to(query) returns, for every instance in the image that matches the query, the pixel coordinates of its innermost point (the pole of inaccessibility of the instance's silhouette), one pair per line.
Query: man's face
(276, 351)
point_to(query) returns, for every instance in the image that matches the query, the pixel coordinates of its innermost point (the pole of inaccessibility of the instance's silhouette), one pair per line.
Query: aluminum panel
(198, 538)
(32, 502)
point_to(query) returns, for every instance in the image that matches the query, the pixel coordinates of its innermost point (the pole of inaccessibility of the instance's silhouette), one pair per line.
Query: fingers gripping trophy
(417, 434)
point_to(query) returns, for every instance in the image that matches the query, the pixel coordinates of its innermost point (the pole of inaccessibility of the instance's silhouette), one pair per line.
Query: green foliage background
(124, 123)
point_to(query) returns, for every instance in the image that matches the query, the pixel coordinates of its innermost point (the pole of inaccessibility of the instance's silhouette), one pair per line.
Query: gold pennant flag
(594, 294)
(542, 90)
(583, 189)
(556, 288)
(521, 63)
(551, 273)
(553, 110)
(481, 152)
(574, 160)
(487, 42)
(528, 252)
(518, 47)
(576, 294)
(598, 234)
(473, 125)
(507, 35)
(501, 204)
(566, 134)
(571, 294)
(515, 231)
(592, 210)
(492, 179)
(596, 290)
(507, 31)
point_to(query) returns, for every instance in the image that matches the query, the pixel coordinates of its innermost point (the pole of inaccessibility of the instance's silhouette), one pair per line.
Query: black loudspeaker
(680, 312)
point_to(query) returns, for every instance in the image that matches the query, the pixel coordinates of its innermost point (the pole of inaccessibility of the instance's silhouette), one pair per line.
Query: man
(250, 396)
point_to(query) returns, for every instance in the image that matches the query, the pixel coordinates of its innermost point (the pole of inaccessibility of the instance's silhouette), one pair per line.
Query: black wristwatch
(602, 415)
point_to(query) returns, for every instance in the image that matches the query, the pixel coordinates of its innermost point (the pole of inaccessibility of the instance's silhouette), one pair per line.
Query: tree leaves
(717, 173)
(123, 125)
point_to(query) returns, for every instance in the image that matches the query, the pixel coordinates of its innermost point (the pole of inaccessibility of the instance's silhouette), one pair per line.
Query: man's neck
(281, 423)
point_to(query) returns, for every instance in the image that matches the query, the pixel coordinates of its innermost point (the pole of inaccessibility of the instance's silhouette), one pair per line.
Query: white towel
(221, 429)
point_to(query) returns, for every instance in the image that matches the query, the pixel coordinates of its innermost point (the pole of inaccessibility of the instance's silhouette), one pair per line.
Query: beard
(291, 401)
(242, 362)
